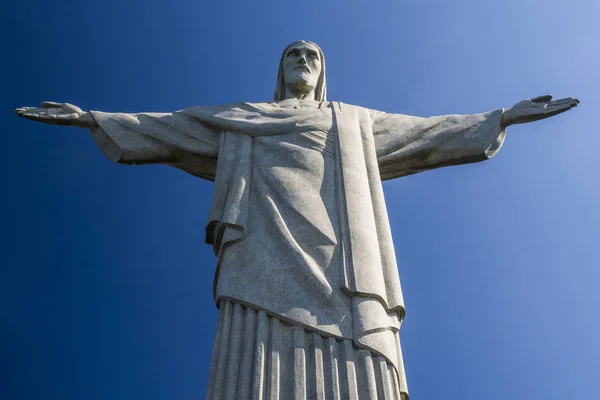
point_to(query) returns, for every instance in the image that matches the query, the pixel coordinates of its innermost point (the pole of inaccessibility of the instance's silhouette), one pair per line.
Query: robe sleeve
(176, 139)
(406, 145)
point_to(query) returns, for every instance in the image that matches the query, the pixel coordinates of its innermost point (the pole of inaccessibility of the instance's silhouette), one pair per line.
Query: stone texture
(257, 356)
(306, 275)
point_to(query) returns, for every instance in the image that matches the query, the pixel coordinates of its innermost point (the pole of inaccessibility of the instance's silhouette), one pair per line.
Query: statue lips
(304, 67)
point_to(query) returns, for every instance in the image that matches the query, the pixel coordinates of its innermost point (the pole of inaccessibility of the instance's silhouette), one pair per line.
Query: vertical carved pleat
(214, 359)
(233, 359)
(248, 351)
(219, 377)
(367, 380)
(332, 379)
(385, 384)
(393, 377)
(401, 372)
(350, 360)
(273, 368)
(299, 363)
(258, 357)
(318, 371)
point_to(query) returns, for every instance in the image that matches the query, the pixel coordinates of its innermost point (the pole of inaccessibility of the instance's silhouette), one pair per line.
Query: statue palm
(64, 114)
(541, 107)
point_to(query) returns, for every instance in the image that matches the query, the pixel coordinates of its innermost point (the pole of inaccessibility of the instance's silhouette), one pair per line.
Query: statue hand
(541, 107)
(58, 114)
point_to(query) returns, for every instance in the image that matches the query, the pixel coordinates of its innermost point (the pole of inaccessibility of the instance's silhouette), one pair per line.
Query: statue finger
(46, 118)
(42, 111)
(557, 110)
(59, 119)
(559, 102)
(566, 100)
(572, 100)
(34, 116)
(542, 99)
(566, 104)
(33, 111)
(21, 110)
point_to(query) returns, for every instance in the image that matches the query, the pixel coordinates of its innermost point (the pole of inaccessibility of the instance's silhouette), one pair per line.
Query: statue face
(302, 65)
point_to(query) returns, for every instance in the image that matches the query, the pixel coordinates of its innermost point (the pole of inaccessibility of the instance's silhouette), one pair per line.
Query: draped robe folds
(298, 220)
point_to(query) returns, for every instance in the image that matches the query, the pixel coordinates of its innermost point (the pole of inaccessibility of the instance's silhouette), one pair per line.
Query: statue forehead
(302, 45)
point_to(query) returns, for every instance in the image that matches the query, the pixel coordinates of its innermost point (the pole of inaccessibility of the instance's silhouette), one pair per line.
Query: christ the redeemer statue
(306, 278)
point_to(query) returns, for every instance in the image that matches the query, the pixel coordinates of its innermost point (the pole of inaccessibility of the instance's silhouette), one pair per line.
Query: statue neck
(299, 92)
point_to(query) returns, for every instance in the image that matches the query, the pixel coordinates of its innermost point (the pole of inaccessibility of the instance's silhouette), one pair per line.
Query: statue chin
(301, 80)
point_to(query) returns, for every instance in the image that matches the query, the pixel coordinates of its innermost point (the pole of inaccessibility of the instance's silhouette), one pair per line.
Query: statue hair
(320, 90)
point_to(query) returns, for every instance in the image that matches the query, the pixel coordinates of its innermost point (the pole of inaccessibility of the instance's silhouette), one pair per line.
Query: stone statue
(306, 278)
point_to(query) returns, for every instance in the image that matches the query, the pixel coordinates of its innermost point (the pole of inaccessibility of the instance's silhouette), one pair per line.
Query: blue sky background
(105, 283)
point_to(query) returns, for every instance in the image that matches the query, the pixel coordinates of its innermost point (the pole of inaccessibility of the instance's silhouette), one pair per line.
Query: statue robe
(298, 220)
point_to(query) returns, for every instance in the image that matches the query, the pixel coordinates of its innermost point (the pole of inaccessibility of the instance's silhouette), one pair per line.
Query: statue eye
(293, 53)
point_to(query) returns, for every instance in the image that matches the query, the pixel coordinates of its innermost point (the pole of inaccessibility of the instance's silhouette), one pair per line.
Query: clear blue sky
(106, 285)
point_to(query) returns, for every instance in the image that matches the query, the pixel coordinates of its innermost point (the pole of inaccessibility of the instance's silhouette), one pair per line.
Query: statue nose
(302, 60)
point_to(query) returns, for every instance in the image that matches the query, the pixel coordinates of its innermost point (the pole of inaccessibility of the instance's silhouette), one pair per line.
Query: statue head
(302, 65)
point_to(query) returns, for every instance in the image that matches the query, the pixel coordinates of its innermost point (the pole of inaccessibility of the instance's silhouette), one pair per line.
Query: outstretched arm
(176, 139)
(407, 145)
